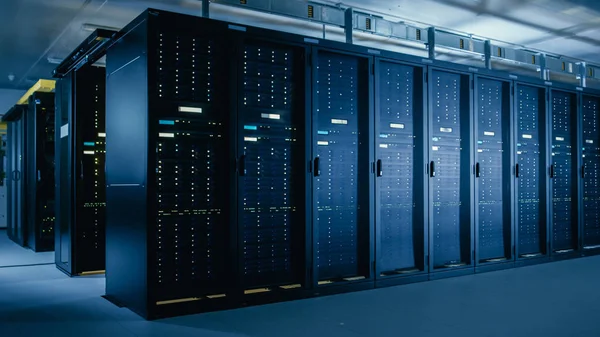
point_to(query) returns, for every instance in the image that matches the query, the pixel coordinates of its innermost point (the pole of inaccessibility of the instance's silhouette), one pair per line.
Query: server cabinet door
(492, 170)
(89, 159)
(591, 172)
(450, 170)
(272, 170)
(190, 121)
(341, 167)
(399, 129)
(563, 171)
(530, 170)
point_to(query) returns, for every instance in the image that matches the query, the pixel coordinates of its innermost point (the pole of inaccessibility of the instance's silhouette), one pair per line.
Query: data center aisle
(558, 299)
(11, 254)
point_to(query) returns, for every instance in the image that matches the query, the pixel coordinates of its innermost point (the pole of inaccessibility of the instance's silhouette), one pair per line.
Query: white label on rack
(480, 150)
(527, 136)
(102, 135)
(589, 141)
(190, 109)
(435, 148)
(89, 152)
(322, 143)
(250, 139)
(309, 40)
(270, 116)
(166, 135)
(579, 89)
(64, 131)
(373, 51)
(396, 126)
(383, 146)
(447, 130)
(339, 121)
(489, 133)
(560, 139)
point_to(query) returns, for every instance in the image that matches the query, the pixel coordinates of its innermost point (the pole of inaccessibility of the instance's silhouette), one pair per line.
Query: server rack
(80, 176)
(531, 173)
(16, 159)
(493, 182)
(563, 110)
(328, 236)
(342, 185)
(590, 171)
(40, 172)
(450, 165)
(400, 128)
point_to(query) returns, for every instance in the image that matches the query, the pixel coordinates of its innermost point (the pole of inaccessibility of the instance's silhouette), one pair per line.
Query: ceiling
(36, 31)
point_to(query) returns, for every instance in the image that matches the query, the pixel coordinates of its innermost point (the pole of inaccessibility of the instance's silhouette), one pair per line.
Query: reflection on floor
(11, 254)
(558, 299)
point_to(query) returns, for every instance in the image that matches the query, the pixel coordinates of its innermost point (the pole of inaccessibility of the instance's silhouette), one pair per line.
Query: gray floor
(560, 299)
(12, 254)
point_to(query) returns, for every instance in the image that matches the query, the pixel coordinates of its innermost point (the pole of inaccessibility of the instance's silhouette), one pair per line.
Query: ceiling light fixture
(89, 27)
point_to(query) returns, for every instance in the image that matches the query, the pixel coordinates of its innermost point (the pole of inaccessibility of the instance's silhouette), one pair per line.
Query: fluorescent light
(166, 135)
(90, 27)
(190, 109)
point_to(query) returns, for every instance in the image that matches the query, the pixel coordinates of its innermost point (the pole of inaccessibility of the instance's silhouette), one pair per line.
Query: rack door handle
(379, 168)
(552, 171)
(517, 170)
(317, 168)
(432, 169)
(477, 170)
(243, 169)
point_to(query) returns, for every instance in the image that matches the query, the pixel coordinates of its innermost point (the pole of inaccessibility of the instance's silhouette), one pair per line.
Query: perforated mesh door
(396, 186)
(340, 143)
(591, 162)
(191, 166)
(564, 140)
(272, 112)
(449, 152)
(530, 134)
(490, 157)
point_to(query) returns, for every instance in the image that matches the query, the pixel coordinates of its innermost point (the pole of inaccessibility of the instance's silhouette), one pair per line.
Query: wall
(8, 97)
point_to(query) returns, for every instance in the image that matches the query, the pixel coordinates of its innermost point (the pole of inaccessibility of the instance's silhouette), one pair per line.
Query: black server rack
(40, 172)
(449, 169)
(169, 162)
(271, 115)
(531, 172)
(564, 172)
(15, 171)
(590, 172)
(80, 176)
(400, 185)
(493, 200)
(341, 167)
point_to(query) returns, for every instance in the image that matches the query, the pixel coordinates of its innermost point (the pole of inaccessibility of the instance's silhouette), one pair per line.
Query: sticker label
(270, 116)
(383, 146)
(339, 121)
(589, 141)
(560, 139)
(527, 136)
(447, 130)
(250, 139)
(396, 126)
(489, 133)
(64, 131)
(322, 143)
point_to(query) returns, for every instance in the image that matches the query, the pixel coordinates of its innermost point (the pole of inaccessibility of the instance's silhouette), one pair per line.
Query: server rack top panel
(564, 171)
(399, 147)
(449, 169)
(591, 171)
(531, 185)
